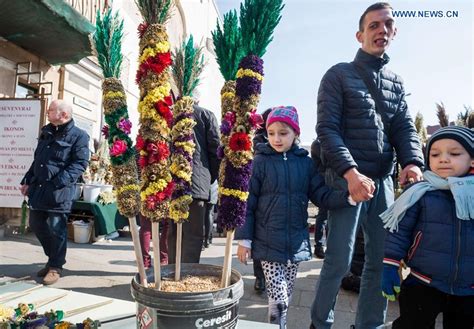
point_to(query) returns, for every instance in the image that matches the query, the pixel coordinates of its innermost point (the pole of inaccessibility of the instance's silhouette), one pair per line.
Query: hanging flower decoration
(258, 19)
(188, 64)
(153, 138)
(107, 41)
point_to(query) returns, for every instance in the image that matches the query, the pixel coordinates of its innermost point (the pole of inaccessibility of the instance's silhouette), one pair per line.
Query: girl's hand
(243, 253)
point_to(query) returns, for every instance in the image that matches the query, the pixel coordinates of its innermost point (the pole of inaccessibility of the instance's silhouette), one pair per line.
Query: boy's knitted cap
(286, 114)
(462, 135)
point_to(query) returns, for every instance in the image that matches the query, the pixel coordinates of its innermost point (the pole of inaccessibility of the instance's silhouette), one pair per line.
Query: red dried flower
(157, 152)
(240, 142)
(166, 193)
(157, 64)
(142, 29)
(164, 110)
(142, 161)
(105, 131)
(140, 145)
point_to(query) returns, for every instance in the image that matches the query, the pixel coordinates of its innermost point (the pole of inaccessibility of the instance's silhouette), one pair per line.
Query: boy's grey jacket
(436, 244)
(352, 133)
(60, 158)
(277, 207)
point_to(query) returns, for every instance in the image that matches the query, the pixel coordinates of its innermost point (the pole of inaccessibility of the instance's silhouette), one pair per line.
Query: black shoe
(351, 282)
(319, 252)
(259, 285)
(311, 326)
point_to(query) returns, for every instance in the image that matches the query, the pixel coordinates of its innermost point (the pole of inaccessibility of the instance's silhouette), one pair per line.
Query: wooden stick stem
(226, 271)
(83, 309)
(18, 294)
(179, 241)
(37, 304)
(155, 233)
(138, 250)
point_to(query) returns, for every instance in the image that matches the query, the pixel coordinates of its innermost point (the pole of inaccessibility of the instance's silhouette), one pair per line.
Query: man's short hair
(375, 6)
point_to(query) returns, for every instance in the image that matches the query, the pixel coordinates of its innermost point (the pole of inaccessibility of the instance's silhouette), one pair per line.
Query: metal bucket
(188, 310)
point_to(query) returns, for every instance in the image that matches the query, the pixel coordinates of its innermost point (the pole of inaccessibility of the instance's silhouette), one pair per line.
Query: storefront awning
(51, 29)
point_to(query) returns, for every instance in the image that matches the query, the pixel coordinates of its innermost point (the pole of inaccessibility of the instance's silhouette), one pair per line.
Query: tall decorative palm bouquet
(188, 63)
(258, 19)
(107, 41)
(156, 118)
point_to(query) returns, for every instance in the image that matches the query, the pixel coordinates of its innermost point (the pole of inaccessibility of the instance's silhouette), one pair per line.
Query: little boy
(432, 230)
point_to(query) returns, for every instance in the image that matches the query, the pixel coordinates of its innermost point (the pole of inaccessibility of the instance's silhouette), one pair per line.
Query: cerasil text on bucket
(208, 323)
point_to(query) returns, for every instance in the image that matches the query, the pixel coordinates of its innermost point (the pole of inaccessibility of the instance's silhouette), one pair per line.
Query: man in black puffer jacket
(60, 158)
(358, 143)
(205, 172)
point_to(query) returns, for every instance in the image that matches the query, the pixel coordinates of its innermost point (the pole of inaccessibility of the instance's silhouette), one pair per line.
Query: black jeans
(193, 231)
(208, 222)
(51, 230)
(320, 227)
(420, 305)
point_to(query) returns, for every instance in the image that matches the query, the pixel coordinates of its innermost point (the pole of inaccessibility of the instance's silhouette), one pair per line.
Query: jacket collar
(265, 148)
(371, 61)
(52, 129)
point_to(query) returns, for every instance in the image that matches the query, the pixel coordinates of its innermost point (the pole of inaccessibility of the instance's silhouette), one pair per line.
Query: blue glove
(390, 282)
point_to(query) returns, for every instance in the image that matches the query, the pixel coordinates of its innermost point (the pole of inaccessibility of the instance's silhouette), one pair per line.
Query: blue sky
(433, 55)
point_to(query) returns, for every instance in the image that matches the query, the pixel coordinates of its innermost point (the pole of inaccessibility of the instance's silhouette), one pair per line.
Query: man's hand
(410, 174)
(24, 190)
(361, 188)
(243, 254)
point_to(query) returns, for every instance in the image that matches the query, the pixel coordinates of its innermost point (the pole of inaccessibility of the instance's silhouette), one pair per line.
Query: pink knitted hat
(286, 114)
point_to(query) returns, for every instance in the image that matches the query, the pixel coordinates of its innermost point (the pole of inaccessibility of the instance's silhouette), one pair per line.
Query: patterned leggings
(280, 280)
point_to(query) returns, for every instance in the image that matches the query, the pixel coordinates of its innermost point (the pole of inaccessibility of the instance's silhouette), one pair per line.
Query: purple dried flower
(220, 152)
(247, 86)
(226, 127)
(125, 125)
(252, 62)
(232, 212)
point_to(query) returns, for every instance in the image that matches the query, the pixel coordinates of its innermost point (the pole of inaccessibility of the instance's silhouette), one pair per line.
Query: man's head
(59, 112)
(376, 28)
(450, 151)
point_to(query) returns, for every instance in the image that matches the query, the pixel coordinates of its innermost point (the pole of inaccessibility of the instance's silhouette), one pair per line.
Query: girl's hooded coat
(277, 210)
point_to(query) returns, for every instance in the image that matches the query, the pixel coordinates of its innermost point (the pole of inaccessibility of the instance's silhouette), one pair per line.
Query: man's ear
(394, 32)
(359, 36)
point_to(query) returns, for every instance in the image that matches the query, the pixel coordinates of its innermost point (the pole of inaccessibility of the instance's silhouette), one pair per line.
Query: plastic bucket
(106, 188)
(82, 232)
(188, 310)
(91, 192)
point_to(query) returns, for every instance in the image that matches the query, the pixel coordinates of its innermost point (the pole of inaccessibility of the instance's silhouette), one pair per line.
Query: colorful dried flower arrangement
(258, 19)
(156, 118)
(229, 52)
(188, 63)
(107, 41)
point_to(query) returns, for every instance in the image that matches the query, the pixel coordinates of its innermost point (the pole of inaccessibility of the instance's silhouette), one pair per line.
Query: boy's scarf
(462, 189)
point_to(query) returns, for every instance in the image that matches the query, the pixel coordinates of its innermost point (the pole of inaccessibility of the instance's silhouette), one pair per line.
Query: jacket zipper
(285, 158)
(458, 251)
(380, 132)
